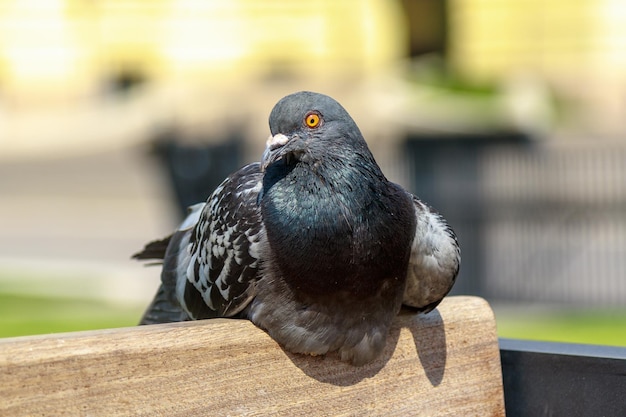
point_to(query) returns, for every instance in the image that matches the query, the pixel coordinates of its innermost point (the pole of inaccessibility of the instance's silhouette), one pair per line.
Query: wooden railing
(444, 363)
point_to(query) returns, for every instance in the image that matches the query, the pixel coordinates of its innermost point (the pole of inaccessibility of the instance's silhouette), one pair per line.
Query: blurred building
(55, 52)
(64, 49)
(577, 48)
(193, 62)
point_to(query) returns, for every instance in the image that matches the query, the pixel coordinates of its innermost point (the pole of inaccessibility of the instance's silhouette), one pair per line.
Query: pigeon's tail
(165, 307)
(153, 250)
(163, 310)
(156, 249)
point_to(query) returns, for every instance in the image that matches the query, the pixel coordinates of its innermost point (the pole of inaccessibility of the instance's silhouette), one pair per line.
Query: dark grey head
(309, 126)
(288, 115)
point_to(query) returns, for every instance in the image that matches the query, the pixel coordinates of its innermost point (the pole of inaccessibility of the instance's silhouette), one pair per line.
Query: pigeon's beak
(280, 147)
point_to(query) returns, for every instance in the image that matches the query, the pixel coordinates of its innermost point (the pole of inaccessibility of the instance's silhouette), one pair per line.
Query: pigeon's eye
(312, 119)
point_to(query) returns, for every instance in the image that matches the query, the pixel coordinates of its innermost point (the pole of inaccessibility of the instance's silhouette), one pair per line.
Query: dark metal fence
(536, 222)
(559, 379)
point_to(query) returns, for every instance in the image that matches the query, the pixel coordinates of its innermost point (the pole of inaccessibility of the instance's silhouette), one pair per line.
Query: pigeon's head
(308, 127)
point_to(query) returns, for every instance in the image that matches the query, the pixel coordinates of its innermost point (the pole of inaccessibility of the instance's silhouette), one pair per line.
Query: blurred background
(508, 117)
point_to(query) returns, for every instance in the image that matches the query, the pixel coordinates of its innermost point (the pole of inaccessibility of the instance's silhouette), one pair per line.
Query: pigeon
(312, 244)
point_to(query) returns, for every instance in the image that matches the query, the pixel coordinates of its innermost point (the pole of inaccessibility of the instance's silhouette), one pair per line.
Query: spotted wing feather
(223, 249)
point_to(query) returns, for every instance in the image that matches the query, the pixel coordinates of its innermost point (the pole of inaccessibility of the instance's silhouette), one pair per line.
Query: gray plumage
(313, 244)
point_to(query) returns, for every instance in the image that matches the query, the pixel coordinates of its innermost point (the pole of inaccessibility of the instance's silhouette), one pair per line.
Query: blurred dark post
(445, 172)
(196, 168)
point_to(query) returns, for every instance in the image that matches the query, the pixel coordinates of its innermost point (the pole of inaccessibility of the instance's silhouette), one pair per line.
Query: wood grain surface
(445, 363)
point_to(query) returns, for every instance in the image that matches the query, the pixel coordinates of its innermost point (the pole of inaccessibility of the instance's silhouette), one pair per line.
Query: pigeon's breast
(330, 235)
(306, 219)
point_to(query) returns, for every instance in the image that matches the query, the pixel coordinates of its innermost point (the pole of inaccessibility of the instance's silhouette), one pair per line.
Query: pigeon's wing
(210, 263)
(215, 265)
(435, 260)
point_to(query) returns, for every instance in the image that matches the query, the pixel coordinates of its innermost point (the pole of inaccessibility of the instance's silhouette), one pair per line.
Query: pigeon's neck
(320, 202)
(328, 229)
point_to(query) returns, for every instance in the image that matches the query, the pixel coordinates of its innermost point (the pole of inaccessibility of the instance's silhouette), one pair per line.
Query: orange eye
(312, 120)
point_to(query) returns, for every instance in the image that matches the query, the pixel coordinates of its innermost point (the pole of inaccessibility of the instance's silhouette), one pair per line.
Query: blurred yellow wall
(60, 49)
(56, 51)
(578, 47)
(491, 38)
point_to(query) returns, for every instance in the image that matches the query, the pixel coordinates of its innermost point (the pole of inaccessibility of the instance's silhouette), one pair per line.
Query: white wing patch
(193, 215)
(434, 262)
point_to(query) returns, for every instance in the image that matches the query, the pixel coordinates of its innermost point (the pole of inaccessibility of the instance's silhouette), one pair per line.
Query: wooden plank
(443, 363)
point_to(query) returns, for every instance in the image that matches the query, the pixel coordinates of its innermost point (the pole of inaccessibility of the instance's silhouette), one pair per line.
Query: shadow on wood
(429, 342)
(443, 363)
